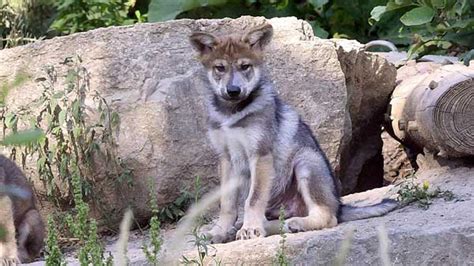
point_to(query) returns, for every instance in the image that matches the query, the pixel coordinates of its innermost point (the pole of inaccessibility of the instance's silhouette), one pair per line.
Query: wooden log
(432, 107)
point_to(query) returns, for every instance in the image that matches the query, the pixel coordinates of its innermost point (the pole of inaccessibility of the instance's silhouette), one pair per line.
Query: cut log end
(454, 117)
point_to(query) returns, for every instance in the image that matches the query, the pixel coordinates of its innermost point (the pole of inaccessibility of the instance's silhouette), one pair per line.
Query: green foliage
(430, 26)
(24, 21)
(69, 145)
(176, 210)
(425, 26)
(83, 15)
(204, 249)
(467, 57)
(67, 150)
(84, 228)
(282, 259)
(92, 253)
(20, 78)
(412, 192)
(53, 253)
(200, 241)
(337, 18)
(151, 251)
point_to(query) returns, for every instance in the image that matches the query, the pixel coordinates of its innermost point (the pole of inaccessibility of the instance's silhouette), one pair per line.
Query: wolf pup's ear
(259, 37)
(203, 42)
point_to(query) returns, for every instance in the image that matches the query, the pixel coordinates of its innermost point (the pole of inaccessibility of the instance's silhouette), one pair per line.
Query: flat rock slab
(440, 235)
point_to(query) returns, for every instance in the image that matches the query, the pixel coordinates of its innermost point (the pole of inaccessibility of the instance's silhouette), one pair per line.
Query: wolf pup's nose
(233, 91)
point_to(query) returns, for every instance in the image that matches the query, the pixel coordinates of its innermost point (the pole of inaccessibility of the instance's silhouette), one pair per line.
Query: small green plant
(204, 248)
(176, 210)
(413, 192)
(200, 241)
(84, 228)
(53, 252)
(282, 258)
(151, 251)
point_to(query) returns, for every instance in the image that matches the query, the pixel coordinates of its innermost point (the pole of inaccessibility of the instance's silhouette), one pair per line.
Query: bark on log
(432, 107)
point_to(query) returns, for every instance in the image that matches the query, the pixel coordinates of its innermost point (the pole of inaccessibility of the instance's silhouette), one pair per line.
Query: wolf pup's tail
(350, 213)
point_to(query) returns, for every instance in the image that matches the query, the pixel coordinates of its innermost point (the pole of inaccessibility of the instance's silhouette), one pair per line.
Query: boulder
(370, 81)
(150, 76)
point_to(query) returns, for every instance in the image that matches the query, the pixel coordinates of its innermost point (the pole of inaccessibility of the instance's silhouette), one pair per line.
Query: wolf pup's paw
(294, 225)
(217, 235)
(250, 233)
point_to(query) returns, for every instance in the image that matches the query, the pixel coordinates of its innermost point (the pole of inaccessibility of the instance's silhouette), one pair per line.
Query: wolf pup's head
(233, 62)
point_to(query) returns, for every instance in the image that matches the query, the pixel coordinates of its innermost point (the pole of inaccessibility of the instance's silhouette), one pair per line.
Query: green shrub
(430, 26)
(83, 15)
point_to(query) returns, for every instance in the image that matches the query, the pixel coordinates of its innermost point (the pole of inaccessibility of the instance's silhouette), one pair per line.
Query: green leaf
(318, 30)
(398, 4)
(468, 57)
(418, 16)
(62, 117)
(403, 2)
(439, 4)
(376, 14)
(11, 121)
(23, 137)
(318, 4)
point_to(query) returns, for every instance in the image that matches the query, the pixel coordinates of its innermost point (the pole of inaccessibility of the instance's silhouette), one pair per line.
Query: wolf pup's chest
(235, 140)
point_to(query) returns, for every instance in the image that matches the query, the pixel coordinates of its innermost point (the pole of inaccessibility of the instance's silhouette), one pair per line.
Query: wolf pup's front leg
(223, 231)
(261, 175)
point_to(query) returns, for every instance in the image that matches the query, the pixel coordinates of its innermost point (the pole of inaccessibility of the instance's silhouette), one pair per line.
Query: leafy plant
(432, 26)
(151, 251)
(53, 253)
(69, 144)
(204, 247)
(83, 15)
(200, 240)
(24, 21)
(82, 227)
(281, 258)
(67, 151)
(336, 18)
(412, 192)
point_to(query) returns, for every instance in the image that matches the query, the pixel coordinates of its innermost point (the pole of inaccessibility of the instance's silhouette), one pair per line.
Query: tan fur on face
(232, 47)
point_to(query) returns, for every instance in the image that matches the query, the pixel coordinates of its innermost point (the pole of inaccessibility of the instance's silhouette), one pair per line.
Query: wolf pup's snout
(233, 91)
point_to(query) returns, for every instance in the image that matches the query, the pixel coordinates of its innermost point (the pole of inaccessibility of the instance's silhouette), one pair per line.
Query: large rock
(149, 74)
(370, 81)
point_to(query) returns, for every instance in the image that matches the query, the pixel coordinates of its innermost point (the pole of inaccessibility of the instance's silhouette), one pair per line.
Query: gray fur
(351, 213)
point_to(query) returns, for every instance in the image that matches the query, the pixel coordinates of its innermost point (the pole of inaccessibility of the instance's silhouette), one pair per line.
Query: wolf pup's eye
(244, 67)
(219, 68)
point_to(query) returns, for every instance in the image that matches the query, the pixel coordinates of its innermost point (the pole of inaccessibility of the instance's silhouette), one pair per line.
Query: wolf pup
(30, 231)
(260, 138)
